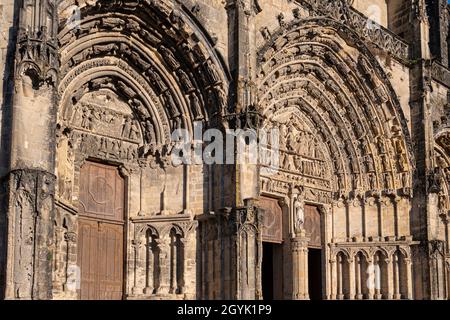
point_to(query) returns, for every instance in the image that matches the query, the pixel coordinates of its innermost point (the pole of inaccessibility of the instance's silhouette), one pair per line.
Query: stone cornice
(440, 74)
(367, 29)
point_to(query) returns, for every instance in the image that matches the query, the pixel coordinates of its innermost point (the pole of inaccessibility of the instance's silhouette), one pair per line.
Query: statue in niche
(340, 181)
(103, 146)
(173, 111)
(385, 162)
(405, 179)
(139, 108)
(382, 145)
(126, 127)
(372, 181)
(388, 181)
(134, 130)
(149, 131)
(265, 33)
(156, 79)
(290, 140)
(87, 119)
(370, 164)
(169, 58)
(299, 214)
(195, 106)
(131, 153)
(212, 72)
(403, 162)
(185, 81)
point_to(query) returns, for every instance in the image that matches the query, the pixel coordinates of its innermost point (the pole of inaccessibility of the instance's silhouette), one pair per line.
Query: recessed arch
(334, 81)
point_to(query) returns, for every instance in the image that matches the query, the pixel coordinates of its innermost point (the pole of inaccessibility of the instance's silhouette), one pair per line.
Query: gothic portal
(93, 207)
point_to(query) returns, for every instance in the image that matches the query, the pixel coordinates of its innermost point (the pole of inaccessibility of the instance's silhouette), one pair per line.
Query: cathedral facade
(94, 207)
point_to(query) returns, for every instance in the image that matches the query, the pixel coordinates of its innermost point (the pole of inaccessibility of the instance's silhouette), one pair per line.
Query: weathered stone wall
(7, 47)
(363, 118)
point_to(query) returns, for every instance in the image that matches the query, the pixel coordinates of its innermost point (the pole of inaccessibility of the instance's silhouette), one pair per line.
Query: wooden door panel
(111, 260)
(313, 226)
(272, 223)
(101, 192)
(100, 245)
(87, 253)
(100, 254)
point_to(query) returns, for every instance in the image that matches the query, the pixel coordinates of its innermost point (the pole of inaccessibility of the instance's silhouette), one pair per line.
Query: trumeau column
(242, 227)
(300, 266)
(32, 164)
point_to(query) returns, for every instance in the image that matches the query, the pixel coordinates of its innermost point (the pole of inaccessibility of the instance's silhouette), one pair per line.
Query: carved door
(100, 232)
(272, 230)
(313, 226)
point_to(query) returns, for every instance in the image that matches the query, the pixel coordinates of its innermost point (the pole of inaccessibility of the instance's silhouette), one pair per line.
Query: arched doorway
(101, 232)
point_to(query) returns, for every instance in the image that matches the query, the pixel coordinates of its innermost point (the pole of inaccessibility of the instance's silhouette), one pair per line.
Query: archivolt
(151, 54)
(321, 69)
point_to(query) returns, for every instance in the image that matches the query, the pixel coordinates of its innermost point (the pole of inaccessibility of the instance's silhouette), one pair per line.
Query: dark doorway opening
(315, 274)
(267, 271)
(272, 271)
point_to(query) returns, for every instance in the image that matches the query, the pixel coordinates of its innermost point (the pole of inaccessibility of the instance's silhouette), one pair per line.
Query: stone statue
(299, 215)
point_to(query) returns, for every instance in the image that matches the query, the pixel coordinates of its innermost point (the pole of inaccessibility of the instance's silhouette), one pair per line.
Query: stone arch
(178, 230)
(320, 69)
(181, 67)
(151, 231)
(151, 256)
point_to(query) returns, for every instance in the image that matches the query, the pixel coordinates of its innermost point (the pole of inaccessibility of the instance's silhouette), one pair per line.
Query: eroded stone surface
(359, 96)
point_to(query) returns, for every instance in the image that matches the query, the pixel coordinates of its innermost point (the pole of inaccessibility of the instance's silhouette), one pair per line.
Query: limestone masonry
(93, 207)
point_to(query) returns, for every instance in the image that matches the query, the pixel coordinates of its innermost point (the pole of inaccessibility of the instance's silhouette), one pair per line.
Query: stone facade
(359, 90)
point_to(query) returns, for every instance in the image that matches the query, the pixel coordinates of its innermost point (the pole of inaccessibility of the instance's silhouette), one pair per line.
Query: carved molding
(377, 35)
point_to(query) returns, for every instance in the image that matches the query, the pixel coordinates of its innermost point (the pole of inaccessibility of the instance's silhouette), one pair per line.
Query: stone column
(137, 276)
(59, 269)
(73, 276)
(390, 278)
(149, 271)
(352, 278)
(358, 283)
(409, 280)
(31, 182)
(181, 274)
(372, 279)
(333, 279)
(377, 270)
(300, 266)
(340, 278)
(164, 274)
(241, 228)
(173, 264)
(396, 268)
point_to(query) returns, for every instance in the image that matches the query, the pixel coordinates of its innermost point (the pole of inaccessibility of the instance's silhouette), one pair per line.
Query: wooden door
(100, 232)
(313, 226)
(272, 224)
